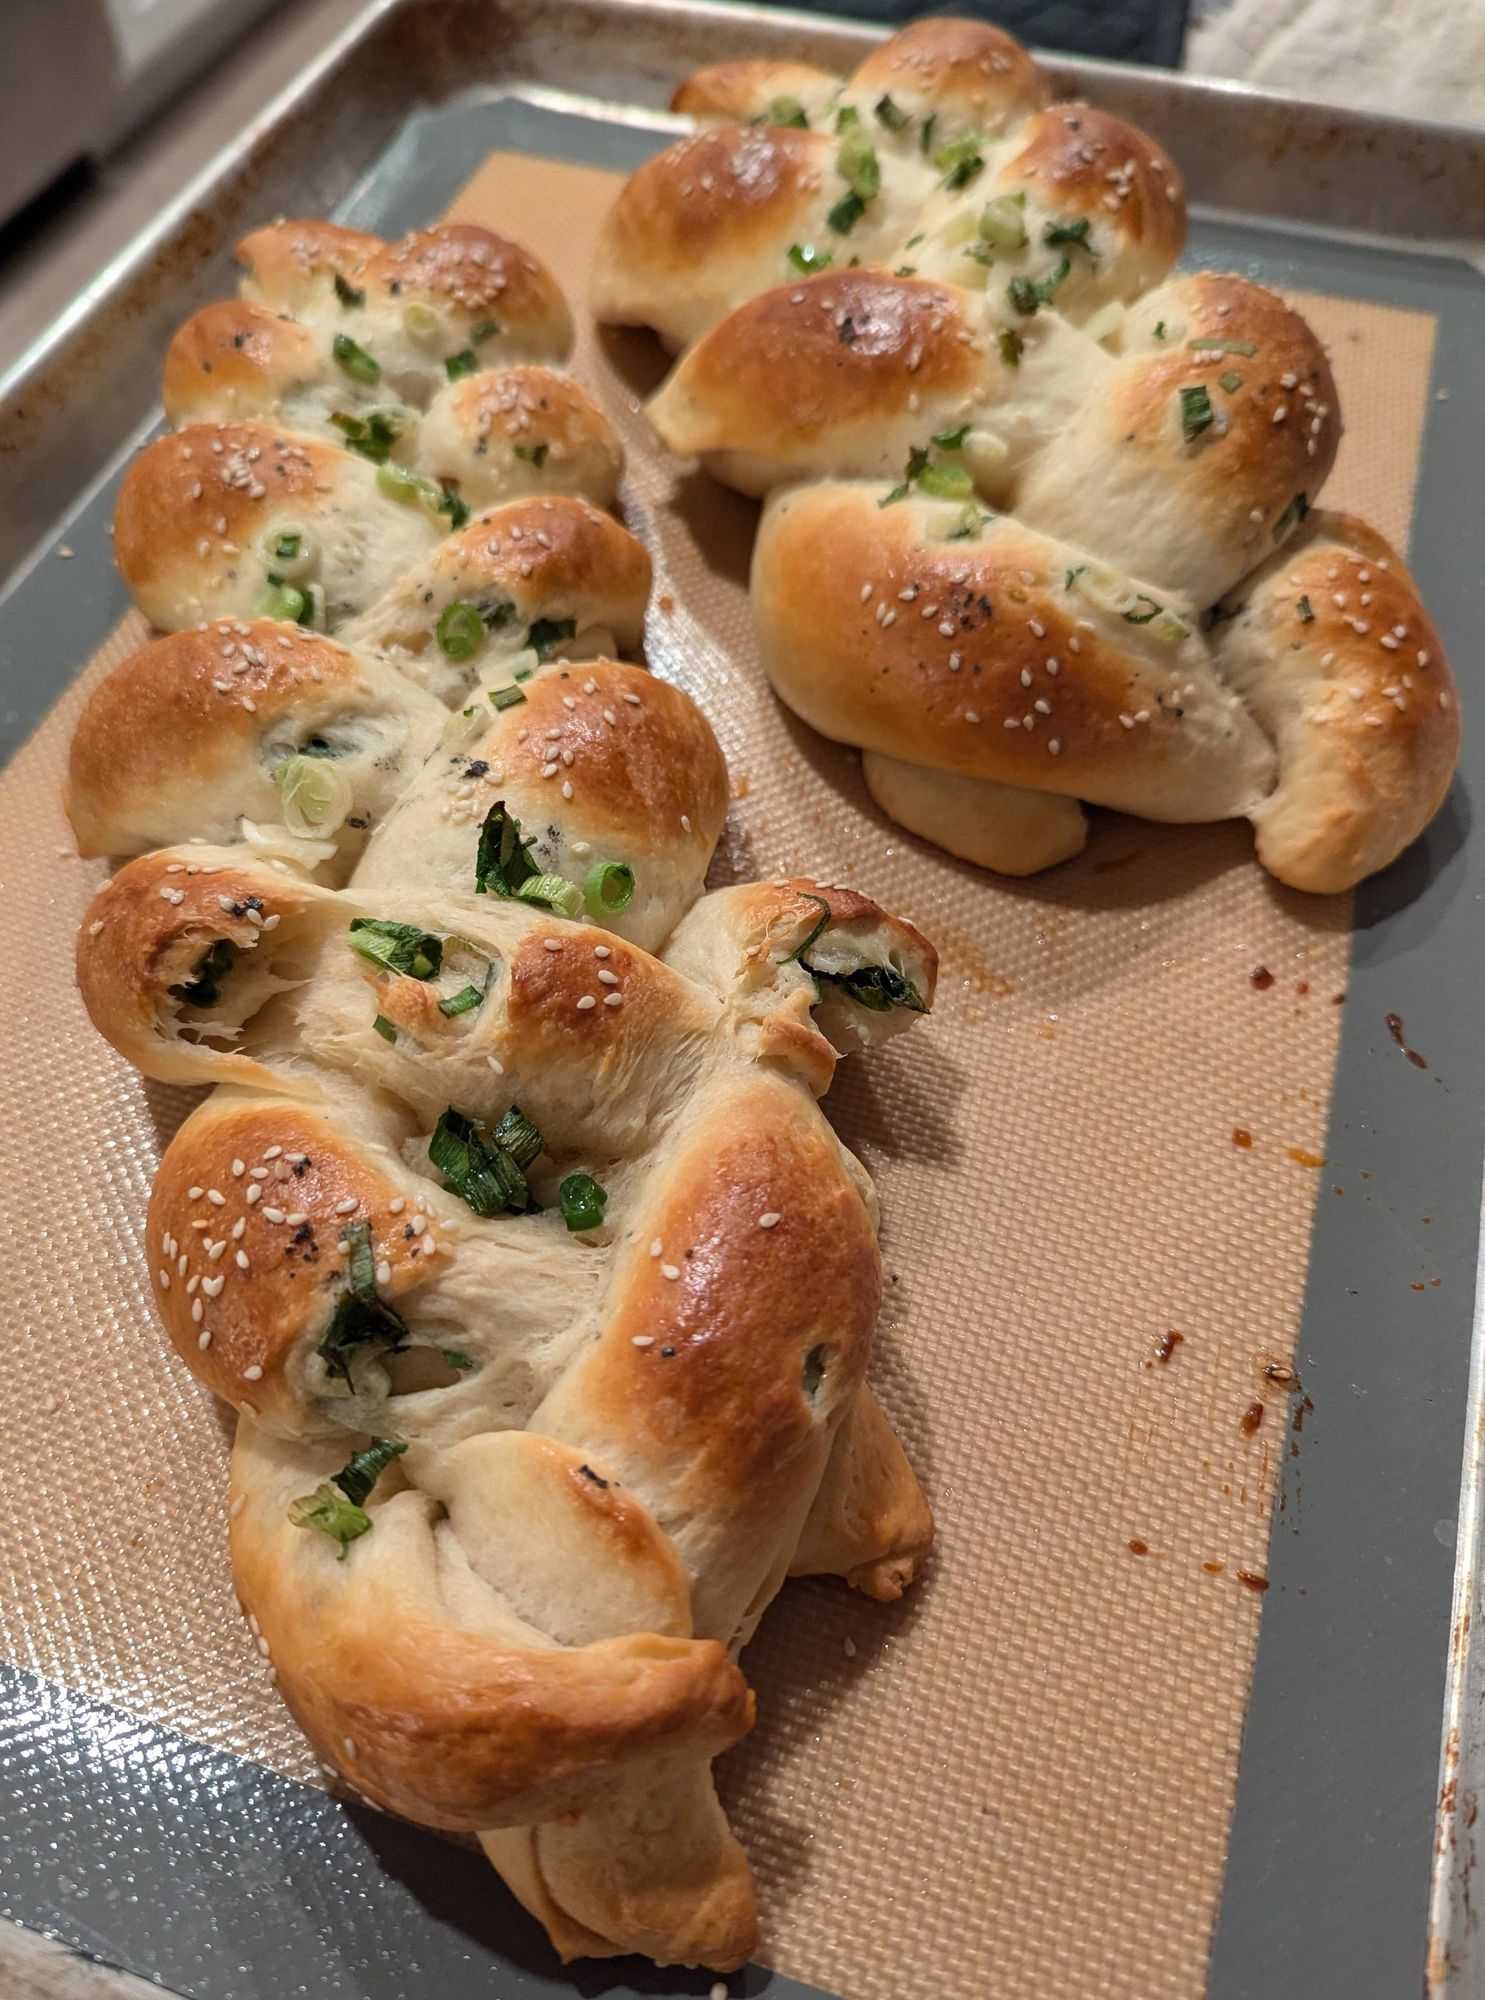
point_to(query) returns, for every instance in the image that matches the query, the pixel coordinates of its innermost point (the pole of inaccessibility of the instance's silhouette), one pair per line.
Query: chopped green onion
(952, 440)
(1026, 294)
(857, 164)
(878, 987)
(456, 366)
(486, 330)
(548, 633)
(1216, 346)
(421, 321)
(285, 547)
(448, 502)
(485, 1173)
(461, 1002)
(552, 892)
(1142, 610)
(534, 454)
(373, 435)
(1306, 611)
(786, 111)
(961, 159)
(204, 987)
(348, 294)
(583, 1201)
(946, 482)
(1230, 381)
(384, 1028)
(891, 115)
(332, 1514)
(1196, 412)
(400, 484)
(1003, 222)
(460, 630)
(925, 139)
(519, 1137)
(316, 795)
(1072, 575)
(1011, 345)
(970, 522)
(1291, 517)
(1159, 329)
(1068, 232)
(403, 948)
(506, 697)
(285, 601)
(356, 362)
(805, 257)
(913, 241)
(361, 1318)
(897, 493)
(817, 929)
(362, 1470)
(502, 861)
(847, 212)
(846, 117)
(457, 1358)
(608, 887)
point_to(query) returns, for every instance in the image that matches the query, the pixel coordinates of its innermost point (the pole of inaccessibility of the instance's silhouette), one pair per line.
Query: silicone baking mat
(1098, 1166)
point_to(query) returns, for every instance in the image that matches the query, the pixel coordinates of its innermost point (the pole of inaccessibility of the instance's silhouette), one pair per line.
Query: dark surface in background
(1148, 31)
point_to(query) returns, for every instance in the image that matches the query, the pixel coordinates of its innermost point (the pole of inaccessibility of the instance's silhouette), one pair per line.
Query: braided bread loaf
(934, 294)
(512, 1229)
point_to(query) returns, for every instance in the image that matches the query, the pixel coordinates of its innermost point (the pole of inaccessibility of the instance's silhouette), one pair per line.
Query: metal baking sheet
(1352, 1842)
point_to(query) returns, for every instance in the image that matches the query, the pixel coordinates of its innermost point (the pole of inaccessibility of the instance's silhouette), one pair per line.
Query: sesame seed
(567, 788)
(272, 1152)
(203, 1339)
(865, 593)
(216, 1197)
(670, 1271)
(850, 1649)
(643, 1339)
(631, 698)
(1054, 747)
(396, 1205)
(195, 1193)
(655, 1246)
(212, 1287)
(602, 951)
(552, 944)
(344, 1207)
(771, 1220)
(198, 1311)
(274, 1214)
(253, 1374)
(417, 1225)
(240, 1258)
(164, 1277)
(971, 715)
(613, 999)
(252, 1193)
(586, 1002)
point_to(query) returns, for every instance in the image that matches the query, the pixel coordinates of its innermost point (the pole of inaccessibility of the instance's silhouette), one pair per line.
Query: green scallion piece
(552, 892)
(1230, 380)
(354, 359)
(460, 630)
(788, 112)
(1003, 222)
(583, 1201)
(1075, 233)
(806, 258)
(456, 366)
(548, 633)
(1196, 411)
(486, 330)
(952, 440)
(946, 482)
(348, 294)
(891, 114)
(461, 1002)
(608, 887)
(384, 1028)
(332, 1514)
(847, 212)
(534, 454)
(506, 697)
(1027, 294)
(961, 160)
(1292, 516)
(402, 948)
(285, 601)
(1011, 346)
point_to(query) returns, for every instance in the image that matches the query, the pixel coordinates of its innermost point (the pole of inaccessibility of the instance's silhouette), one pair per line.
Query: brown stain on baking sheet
(1398, 1032)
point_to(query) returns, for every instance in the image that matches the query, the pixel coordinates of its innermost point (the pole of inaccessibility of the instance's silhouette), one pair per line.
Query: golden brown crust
(971, 74)
(287, 264)
(739, 91)
(871, 1522)
(192, 699)
(1085, 162)
(1335, 652)
(477, 275)
(146, 933)
(945, 659)
(555, 551)
(838, 349)
(520, 429)
(234, 359)
(286, 1175)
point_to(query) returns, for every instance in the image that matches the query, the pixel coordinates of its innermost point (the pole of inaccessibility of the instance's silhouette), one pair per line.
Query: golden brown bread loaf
(923, 294)
(512, 1231)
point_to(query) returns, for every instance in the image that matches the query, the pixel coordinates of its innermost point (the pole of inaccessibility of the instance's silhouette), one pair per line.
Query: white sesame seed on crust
(252, 1374)
(586, 1002)
(642, 1339)
(770, 1220)
(613, 999)
(253, 1192)
(670, 1271)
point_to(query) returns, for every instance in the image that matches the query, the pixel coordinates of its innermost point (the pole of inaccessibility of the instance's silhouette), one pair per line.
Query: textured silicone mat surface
(1019, 1779)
